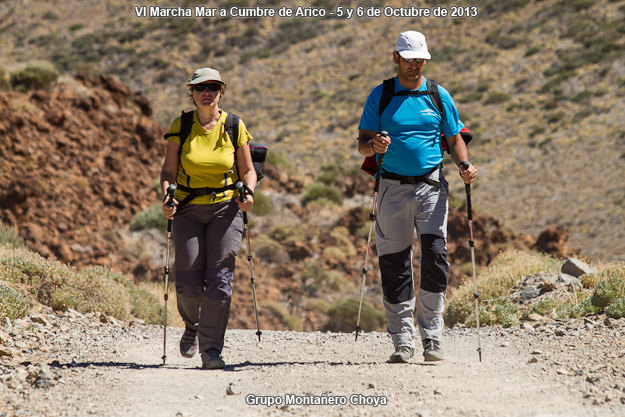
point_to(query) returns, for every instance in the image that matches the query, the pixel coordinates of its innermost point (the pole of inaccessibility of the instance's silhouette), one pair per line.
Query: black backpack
(370, 164)
(258, 151)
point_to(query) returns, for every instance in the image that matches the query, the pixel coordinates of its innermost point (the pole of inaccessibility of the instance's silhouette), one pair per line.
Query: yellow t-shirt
(207, 159)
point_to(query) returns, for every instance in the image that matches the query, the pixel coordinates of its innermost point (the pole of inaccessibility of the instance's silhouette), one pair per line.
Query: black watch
(465, 164)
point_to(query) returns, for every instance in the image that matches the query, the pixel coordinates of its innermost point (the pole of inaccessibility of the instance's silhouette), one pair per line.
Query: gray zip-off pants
(402, 208)
(207, 239)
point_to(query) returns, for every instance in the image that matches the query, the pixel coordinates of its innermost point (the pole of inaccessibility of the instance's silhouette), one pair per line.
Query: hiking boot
(402, 355)
(211, 359)
(188, 343)
(432, 350)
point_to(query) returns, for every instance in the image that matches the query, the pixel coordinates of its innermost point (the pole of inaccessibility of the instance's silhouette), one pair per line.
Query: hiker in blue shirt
(413, 193)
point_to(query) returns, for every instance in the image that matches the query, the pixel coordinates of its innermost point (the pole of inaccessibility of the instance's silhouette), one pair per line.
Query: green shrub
(277, 159)
(8, 236)
(5, 79)
(288, 233)
(292, 322)
(270, 251)
(262, 204)
(608, 290)
(39, 76)
(497, 311)
(12, 304)
(616, 309)
(497, 97)
(343, 314)
(317, 280)
(318, 190)
(543, 307)
(495, 282)
(585, 308)
(589, 280)
(152, 217)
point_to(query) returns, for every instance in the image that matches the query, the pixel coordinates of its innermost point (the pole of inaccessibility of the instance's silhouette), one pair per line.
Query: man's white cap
(411, 44)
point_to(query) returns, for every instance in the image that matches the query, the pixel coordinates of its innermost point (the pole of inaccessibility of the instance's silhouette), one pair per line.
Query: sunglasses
(212, 87)
(412, 60)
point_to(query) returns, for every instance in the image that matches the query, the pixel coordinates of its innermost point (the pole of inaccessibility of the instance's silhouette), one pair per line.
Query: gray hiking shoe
(188, 343)
(402, 355)
(432, 350)
(211, 359)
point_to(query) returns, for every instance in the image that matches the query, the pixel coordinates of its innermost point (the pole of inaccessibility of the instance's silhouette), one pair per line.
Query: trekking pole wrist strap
(248, 190)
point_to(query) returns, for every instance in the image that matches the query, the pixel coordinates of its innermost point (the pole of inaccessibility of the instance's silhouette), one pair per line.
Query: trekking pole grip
(379, 170)
(171, 190)
(242, 197)
(467, 188)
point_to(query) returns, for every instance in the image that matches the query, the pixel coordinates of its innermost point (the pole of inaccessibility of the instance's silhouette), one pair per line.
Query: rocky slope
(76, 165)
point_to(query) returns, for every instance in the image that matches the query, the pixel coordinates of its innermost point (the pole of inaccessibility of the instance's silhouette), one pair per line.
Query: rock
(529, 293)
(41, 376)
(560, 332)
(538, 318)
(230, 389)
(5, 322)
(4, 351)
(577, 268)
(610, 322)
(568, 279)
(39, 318)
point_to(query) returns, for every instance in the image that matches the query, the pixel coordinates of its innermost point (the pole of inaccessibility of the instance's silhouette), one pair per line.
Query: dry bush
(63, 287)
(343, 314)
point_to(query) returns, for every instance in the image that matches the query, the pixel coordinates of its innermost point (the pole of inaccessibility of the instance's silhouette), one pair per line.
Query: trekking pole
(241, 188)
(170, 203)
(372, 218)
(476, 295)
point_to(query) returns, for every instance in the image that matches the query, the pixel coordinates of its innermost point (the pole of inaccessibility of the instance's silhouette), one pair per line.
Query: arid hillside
(81, 163)
(539, 82)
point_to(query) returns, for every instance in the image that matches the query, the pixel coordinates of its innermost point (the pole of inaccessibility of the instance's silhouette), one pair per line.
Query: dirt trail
(562, 369)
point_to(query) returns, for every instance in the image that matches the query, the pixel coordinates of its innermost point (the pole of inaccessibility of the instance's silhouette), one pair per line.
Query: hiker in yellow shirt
(207, 153)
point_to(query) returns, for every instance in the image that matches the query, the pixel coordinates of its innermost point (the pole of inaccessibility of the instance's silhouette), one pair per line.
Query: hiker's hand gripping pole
(242, 189)
(170, 203)
(476, 295)
(372, 220)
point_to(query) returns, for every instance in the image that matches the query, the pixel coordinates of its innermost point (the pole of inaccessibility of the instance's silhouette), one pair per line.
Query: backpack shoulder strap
(388, 91)
(186, 124)
(432, 87)
(232, 128)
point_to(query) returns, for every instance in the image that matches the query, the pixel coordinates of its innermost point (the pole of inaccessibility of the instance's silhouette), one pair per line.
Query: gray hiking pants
(207, 239)
(402, 208)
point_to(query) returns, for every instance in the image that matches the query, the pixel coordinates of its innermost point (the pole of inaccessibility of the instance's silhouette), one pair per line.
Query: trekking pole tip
(258, 333)
(357, 331)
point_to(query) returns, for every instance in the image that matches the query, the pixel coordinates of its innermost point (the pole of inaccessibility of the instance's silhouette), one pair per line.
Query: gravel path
(84, 365)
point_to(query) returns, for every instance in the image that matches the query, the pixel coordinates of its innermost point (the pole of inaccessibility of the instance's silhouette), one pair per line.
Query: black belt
(403, 179)
(198, 192)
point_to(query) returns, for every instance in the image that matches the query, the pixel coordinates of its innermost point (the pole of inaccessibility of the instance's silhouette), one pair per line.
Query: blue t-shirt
(414, 126)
